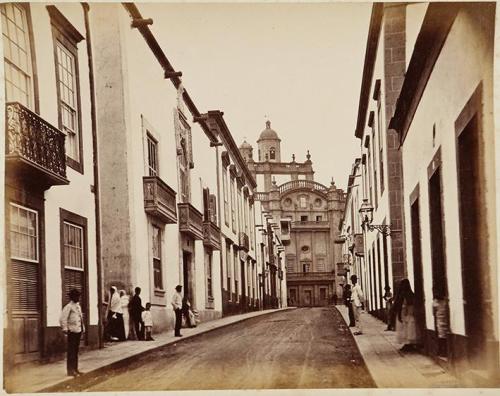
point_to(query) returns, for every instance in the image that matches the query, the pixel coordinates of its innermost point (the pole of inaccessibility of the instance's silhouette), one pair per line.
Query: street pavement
(391, 368)
(302, 348)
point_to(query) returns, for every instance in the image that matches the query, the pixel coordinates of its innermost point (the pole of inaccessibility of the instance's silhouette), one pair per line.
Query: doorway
(417, 268)
(243, 284)
(473, 255)
(439, 278)
(187, 276)
(307, 298)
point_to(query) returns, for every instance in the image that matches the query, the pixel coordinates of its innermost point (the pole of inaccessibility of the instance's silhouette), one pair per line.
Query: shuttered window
(24, 255)
(73, 262)
(23, 233)
(157, 270)
(152, 156)
(73, 246)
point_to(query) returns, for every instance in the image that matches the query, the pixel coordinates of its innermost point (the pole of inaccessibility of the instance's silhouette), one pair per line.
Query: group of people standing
(400, 312)
(123, 314)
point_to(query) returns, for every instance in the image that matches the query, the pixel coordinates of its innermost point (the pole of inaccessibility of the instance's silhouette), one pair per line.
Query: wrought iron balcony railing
(211, 235)
(34, 149)
(190, 220)
(159, 199)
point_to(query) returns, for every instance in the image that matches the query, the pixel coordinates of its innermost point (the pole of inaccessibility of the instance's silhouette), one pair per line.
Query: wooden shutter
(24, 290)
(206, 204)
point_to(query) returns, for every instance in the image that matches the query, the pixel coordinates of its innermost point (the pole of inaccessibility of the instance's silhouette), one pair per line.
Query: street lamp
(366, 211)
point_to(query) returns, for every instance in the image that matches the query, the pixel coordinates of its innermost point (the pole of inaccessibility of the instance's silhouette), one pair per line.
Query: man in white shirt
(177, 306)
(357, 303)
(71, 321)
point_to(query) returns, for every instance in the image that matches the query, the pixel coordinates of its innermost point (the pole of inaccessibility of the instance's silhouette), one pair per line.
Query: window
(17, 57)
(303, 202)
(226, 199)
(381, 148)
(23, 233)
(68, 107)
(272, 153)
(157, 270)
(306, 267)
(73, 246)
(304, 218)
(235, 273)
(290, 264)
(210, 292)
(375, 179)
(73, 256)
(152, 156)
(319, 218)
(233, 206)
(228, 269)
(66, 38)
(320, 265)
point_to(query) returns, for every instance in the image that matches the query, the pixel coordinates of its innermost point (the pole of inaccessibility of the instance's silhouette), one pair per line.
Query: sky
(298, 65)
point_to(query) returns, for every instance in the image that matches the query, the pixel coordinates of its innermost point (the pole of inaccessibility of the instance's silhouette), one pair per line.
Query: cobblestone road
(302, 348)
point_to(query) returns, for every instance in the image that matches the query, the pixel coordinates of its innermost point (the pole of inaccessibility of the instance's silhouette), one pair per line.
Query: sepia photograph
(239, 196)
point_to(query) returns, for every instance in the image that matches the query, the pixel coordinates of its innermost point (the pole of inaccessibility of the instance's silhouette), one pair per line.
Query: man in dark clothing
(136, 308)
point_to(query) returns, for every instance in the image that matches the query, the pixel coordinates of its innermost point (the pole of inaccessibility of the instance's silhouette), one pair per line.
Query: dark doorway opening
(473, 255)
(439, 280)
(418, 276)
(186, 272)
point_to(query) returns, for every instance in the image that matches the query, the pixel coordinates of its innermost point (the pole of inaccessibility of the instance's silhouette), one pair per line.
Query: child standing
(147, 319)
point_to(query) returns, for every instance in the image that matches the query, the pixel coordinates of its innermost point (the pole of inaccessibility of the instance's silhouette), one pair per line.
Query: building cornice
(227, 139)
(370, 56)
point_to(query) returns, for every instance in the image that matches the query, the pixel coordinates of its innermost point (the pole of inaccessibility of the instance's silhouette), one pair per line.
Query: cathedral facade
(306, 215)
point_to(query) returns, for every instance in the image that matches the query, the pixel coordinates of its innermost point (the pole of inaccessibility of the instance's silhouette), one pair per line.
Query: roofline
(435, 28)
(167, 66)
(370, 55)
(352, 176)
(228, 140)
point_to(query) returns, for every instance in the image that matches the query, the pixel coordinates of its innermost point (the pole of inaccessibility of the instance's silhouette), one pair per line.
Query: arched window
(260, 159)
(272, 153)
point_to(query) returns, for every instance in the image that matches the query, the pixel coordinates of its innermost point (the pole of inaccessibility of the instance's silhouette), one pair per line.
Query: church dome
(268, 133)
(246, 145)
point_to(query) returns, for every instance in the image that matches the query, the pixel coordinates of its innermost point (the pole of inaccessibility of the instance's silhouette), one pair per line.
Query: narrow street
(301, 348)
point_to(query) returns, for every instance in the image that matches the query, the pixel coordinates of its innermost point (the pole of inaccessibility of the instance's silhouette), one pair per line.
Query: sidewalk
(391, 368)
(41, 377)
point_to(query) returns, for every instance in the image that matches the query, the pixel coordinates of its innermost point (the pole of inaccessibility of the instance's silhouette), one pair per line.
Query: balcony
(244, 241)
(190, 220)
(159, 199)
(316, 225)
(211, 235)
(310, 276)
(34, 149)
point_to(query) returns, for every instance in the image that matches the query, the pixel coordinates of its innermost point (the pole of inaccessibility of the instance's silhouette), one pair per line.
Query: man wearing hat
(357, 302)
(71, 321)
(177, 305)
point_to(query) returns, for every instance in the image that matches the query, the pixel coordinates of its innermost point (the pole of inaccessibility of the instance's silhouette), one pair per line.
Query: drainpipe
(96, 174)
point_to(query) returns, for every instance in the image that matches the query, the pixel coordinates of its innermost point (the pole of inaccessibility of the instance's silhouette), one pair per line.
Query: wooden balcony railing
(159, 199)
(34, 149)
(211, 235)
(190, 220)
(244, 241)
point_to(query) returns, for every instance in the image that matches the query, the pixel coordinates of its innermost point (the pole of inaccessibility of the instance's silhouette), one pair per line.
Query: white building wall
(77, 196)
(456, 74)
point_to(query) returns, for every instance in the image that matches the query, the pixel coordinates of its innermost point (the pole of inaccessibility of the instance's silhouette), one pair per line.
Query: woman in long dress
(126, 317)
(406, 329)
(115, 328)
